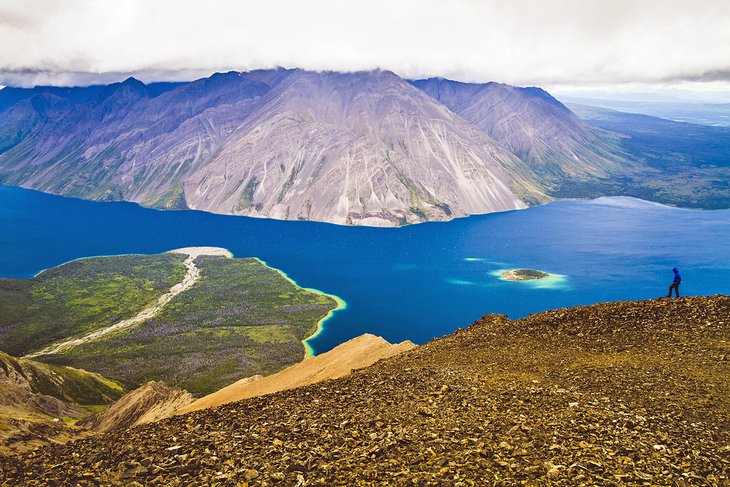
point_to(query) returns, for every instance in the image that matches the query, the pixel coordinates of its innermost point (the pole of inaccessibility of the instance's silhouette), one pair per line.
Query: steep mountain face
(354, 148)
(361, 148)
(529, 122)
(126, 140)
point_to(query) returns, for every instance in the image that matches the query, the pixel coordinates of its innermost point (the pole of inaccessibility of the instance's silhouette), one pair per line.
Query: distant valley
(696, 112)
(366, 148)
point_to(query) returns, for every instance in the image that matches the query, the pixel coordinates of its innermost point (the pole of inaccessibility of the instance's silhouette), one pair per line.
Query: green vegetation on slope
(64, 383)
(240, 319)
(173, 199)
(80, 297)
(39, 402)
(523, 274)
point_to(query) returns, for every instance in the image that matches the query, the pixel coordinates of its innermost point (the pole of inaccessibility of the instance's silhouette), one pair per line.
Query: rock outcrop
(38, 400)
(629, 393)
(151, 402)
(342, 360)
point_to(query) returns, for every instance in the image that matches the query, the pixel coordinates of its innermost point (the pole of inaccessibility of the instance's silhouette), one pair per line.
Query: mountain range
(365, 148)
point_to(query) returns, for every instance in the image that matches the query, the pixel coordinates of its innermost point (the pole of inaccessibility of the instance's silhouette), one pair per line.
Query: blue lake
(417, 282)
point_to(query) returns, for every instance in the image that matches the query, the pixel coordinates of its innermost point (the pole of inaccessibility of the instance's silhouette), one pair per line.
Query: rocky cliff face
(628, 393)
(360, 148)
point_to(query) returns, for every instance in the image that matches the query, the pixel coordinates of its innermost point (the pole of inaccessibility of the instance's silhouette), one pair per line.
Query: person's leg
(669, 294)
(676, 290)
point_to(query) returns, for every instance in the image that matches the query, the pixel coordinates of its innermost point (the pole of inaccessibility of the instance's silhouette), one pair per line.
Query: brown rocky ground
(632, 393)
(342, 360)
(151, 402)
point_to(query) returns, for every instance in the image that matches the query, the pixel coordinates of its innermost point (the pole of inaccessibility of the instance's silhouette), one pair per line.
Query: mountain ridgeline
(554, 142)
(366, 148)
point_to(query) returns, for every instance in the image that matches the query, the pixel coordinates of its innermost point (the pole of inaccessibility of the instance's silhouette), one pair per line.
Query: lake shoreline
(319, 329)
(196, 251)
(416, 283)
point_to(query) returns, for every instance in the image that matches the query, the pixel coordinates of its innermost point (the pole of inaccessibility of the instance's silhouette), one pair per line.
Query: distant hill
(690, 111)
(615, 393)
(684, 164)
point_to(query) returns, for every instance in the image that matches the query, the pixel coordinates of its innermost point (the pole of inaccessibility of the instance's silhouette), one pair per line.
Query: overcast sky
(551, 43)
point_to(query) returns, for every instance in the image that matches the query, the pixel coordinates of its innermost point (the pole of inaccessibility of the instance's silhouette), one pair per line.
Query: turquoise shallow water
(416, 282)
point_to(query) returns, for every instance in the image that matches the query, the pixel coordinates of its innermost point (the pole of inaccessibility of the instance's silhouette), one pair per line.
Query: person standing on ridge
(675, 283)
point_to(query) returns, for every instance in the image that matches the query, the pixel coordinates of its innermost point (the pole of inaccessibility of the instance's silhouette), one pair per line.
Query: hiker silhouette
(675, 283)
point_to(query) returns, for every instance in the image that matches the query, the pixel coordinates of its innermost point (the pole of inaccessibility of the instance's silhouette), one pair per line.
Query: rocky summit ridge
(624, 393)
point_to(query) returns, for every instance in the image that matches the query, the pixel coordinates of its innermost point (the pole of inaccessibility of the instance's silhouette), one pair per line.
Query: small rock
(250, 474)
(554, 471)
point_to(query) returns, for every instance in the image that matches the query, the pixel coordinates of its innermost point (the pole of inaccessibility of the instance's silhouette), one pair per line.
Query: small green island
(523, 275)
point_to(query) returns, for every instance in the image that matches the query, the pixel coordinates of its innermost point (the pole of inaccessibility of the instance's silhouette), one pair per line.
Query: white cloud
(558, 42)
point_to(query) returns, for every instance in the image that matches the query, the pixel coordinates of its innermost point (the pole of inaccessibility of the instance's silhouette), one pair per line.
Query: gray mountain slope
(360, 148)
(529, 122)
(365, 148)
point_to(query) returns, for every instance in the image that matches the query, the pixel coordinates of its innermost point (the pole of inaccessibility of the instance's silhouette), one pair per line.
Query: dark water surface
(416, 282)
